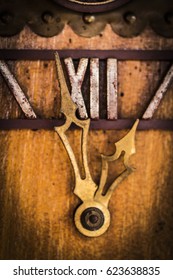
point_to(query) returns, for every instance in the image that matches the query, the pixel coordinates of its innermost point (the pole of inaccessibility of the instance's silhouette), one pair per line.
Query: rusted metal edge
(89, 8)
(48, 124)
(47, 54)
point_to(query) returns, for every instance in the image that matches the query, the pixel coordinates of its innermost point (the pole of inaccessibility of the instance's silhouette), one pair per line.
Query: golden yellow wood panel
(37, 203)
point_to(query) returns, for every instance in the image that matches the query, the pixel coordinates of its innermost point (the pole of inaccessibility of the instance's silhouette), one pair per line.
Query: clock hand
(92, 217)
(126, 145)
(84, 188)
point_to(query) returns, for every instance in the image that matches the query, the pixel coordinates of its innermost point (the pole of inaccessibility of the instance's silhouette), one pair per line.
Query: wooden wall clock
(116, 63)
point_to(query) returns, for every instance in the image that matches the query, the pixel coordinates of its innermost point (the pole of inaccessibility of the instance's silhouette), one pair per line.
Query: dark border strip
(33, 54)
(90, 8)
(13, 124)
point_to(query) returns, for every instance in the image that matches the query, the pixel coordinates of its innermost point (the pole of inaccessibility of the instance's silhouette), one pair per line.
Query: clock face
(90, 2)
(61, 185)
(91, 6)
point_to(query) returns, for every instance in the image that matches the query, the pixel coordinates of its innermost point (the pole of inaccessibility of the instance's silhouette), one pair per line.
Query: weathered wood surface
(36, 179)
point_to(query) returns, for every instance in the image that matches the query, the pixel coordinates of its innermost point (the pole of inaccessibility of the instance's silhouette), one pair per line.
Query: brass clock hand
(84, 188)
(126, 145)
(92, 217)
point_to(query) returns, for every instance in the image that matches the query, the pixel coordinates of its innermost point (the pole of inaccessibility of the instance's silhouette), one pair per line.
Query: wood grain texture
(36, 179)
(68, 39)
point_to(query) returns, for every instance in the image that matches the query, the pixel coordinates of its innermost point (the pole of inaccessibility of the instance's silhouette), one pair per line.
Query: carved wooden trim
(46, 18)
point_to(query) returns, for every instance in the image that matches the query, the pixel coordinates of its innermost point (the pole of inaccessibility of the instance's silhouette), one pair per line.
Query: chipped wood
(76, 80)
(112, 88)
(160, 93)
(94, 88)
(17, 91)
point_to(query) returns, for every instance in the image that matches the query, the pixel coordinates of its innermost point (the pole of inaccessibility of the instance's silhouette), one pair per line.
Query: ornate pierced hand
(92, 218)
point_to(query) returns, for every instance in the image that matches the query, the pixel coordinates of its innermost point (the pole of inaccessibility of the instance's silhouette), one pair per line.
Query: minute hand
(85, 188)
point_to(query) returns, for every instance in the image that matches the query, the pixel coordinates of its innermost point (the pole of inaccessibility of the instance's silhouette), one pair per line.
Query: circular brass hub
(92, 219)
